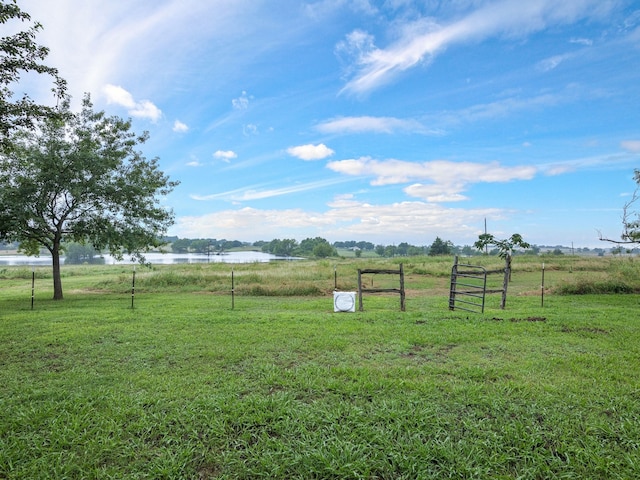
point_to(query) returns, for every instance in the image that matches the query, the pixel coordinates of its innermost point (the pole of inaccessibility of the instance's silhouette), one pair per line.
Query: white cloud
(140, 109)
(416, 222)
(448, 179)
(180, 127)
(366, 123)
(436, 193)
(242, 102)
(194, 163)
(225, 155)
(146, 109)
(582, 41)
(310, 152)
(420, 41)
(552, 62)
(439, 171)
(248, 223)
(632, 146)
(118, 95)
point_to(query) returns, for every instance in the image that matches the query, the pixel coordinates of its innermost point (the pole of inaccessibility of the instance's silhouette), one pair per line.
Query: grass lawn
(183, 386)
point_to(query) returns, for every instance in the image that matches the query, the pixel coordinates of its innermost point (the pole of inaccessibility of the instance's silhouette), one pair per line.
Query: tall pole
(233, 301)
(542, 291)
(133, 285)
(33, 285)
(486, 247)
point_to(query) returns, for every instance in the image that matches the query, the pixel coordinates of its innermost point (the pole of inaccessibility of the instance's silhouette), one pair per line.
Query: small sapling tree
(78, 177)
(505, 247)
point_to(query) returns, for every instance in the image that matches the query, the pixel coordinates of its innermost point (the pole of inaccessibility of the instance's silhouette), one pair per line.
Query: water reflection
(158, 258)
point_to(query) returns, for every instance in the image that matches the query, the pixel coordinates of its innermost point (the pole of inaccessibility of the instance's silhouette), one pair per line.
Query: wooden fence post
(505, 282)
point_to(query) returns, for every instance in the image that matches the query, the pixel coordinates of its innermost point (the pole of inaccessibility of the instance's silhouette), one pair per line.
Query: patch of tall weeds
(622, 276)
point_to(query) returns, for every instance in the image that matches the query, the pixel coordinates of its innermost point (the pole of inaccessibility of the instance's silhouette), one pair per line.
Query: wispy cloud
(249, 193)
(631, 146)
(422, 40)
(503, 108)
(587, 42)
(95, 46)
(606, 161)
(136, 108)
(369, 124)
(440, 122)
(552, 62)
(310, 152)
(250, 129)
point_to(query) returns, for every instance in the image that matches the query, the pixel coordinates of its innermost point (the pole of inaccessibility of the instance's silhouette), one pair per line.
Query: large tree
(440, 247)
(78, 177)
(20, 54)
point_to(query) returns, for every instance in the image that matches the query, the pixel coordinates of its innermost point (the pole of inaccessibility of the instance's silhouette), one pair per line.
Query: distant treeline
(76, 253)
(320, 247)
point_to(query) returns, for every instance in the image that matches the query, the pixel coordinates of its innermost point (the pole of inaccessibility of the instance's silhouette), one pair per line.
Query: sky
(383, 121)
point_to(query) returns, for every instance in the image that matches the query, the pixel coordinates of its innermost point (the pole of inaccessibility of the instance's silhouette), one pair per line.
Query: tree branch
(630, 233)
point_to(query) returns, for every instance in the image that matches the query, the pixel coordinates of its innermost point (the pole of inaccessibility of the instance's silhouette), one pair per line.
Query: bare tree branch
(631, 227)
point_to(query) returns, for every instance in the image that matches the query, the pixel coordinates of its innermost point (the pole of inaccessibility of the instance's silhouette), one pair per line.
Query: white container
(344, 301)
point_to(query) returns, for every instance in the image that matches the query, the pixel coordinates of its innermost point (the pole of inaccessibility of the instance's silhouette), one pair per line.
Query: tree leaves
(20, 53)
(505, 247)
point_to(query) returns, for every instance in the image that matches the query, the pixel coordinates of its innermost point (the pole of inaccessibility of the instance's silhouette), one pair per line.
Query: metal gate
(468, 287)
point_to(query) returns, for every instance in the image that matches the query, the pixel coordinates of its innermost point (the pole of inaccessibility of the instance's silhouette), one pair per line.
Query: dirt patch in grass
(525, 319)
(426, 353)
(596, 330)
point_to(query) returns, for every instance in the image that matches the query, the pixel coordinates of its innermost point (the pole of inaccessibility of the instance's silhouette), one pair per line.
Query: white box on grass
(344, 301)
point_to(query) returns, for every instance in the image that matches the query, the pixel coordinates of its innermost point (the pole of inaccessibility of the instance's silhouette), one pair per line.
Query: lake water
(158, 258)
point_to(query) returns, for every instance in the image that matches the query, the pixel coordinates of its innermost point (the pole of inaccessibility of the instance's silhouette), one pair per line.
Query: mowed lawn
(184, 386)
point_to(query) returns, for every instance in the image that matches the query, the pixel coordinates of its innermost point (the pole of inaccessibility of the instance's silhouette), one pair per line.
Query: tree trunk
(57, 281)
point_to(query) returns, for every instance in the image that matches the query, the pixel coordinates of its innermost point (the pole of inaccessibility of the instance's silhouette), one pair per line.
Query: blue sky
(385, 121)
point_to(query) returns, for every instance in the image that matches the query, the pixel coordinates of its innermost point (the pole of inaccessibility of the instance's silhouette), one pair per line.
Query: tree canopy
(505, 247)
(78, 177)
(21, 54)
(440, 247)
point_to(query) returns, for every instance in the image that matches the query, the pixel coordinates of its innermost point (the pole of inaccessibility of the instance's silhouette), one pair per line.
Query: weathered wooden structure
(400, 290)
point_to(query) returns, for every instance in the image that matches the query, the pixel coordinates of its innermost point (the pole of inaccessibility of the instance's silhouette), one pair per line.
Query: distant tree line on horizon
(322, 248)
(78, 253)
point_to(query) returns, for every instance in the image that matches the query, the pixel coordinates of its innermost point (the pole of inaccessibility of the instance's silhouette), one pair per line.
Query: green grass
(183, 386)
